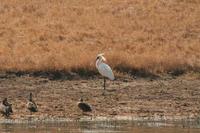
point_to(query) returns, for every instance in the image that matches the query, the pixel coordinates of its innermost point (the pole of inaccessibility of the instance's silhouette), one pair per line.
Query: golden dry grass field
(156, 36)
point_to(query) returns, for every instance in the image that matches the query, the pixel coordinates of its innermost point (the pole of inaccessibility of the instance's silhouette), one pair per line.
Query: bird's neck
(30, 99)
(4, 103)
(99, 61)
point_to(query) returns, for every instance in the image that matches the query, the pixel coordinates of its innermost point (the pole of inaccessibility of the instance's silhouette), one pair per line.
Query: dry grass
(151, 35)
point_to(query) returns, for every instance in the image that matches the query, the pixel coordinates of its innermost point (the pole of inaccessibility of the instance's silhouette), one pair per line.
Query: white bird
(104, 69)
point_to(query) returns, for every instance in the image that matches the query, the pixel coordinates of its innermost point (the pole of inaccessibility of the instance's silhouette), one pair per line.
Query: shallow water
(103, 127)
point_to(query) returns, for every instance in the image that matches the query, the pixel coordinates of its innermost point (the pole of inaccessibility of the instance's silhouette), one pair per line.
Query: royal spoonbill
(104, 69)
(6, 108)
(85, 107)
(31, 105)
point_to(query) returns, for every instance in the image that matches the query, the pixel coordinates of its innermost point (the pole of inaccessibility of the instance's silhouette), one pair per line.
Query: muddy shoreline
(32, 119)
(127, 98)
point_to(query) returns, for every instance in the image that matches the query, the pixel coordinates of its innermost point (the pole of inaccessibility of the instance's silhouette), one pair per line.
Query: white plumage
(104, 69)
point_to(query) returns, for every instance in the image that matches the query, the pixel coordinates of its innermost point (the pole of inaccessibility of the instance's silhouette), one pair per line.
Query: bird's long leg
(104, 85)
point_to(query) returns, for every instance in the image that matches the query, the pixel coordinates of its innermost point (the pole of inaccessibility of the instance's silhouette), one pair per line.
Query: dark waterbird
(85, 107)
(6, 108)
(31, 105)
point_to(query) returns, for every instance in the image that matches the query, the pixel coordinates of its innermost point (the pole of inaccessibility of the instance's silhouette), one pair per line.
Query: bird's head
(81, 99)
(101, 57)
(30, 96)
(4, 101)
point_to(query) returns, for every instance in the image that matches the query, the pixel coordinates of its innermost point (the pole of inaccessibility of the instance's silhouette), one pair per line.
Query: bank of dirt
(162, 98)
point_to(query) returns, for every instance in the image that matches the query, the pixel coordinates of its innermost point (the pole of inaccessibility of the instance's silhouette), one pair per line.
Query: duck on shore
(6, 108)
(85, 107)
(31, 105)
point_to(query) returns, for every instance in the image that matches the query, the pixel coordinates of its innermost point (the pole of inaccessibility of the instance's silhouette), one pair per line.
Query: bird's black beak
(97, 58)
